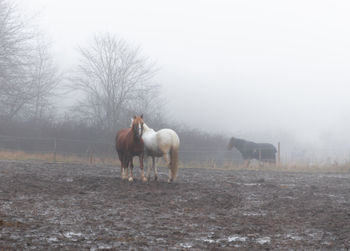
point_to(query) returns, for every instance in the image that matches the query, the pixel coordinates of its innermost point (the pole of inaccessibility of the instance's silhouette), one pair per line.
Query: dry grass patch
(341, 168)
(50, 157)
(88, 159)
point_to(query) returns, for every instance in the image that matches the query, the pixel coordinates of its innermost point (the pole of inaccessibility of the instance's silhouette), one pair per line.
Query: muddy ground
(81, 207)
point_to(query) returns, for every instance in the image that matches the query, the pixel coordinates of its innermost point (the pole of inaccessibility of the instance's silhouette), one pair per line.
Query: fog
(255, 69)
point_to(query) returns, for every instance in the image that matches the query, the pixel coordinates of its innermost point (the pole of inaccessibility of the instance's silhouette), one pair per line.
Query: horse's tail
(174, 162)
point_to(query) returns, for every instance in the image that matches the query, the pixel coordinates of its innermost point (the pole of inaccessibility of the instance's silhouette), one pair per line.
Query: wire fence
(212, 156)
(57, 146)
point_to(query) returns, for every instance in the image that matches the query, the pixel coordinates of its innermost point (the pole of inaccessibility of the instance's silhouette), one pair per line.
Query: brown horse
(128, 144)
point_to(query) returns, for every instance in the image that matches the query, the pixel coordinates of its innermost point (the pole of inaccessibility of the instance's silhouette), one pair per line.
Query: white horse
(163, 143)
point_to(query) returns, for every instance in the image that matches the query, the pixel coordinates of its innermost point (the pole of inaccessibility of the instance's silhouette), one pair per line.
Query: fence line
(103, 149)
(53, 138)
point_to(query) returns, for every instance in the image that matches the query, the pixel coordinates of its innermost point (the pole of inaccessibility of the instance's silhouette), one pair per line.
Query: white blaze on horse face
(140, 131)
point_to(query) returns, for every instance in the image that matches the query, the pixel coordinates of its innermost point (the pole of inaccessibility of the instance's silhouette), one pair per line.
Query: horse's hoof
(170, 180)
(131, 179)
(155, 178)
(144, 179)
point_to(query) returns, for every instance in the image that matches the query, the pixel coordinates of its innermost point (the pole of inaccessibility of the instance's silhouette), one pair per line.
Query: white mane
(147, 129)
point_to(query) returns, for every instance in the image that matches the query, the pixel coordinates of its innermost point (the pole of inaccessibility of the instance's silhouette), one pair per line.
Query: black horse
(264, 152)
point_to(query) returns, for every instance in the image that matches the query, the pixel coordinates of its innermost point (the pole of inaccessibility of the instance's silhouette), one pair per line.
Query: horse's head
(137, 126)
(230, 144)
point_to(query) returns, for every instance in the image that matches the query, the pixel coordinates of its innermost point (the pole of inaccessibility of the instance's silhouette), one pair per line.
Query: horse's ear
(141, 116)
(134, 116)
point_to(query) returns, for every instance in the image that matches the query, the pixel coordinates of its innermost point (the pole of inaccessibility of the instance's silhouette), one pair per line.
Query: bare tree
(45, 80)
(115, 81)
(14, 59)
(27, 74)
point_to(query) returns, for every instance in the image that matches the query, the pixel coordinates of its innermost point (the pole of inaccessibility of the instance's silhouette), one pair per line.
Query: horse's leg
(154, 167)
(121, 167)
(127, 169)
(167, 159)
(121, 159)
(147, 167)
(124, 167)
(131, 177)
(122, 171)
(141, 156)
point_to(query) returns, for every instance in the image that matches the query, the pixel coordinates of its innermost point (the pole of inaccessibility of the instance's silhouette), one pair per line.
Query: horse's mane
(147, 128)
(239, 142)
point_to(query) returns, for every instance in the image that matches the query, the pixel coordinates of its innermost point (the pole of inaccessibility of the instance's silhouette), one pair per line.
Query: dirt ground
(79, 207)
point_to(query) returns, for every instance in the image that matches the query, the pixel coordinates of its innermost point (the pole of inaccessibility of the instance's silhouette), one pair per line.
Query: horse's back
(168, 137)
(267, 152)
(267, 147)
(160, 142)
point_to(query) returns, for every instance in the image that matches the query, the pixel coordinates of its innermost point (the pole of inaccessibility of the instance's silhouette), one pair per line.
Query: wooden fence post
(91, 158)
(259, 154)
(54, 150)
(90, 153)
(279, 154)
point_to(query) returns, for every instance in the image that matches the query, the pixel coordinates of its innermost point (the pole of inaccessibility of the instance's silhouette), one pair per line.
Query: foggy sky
(227, 66)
